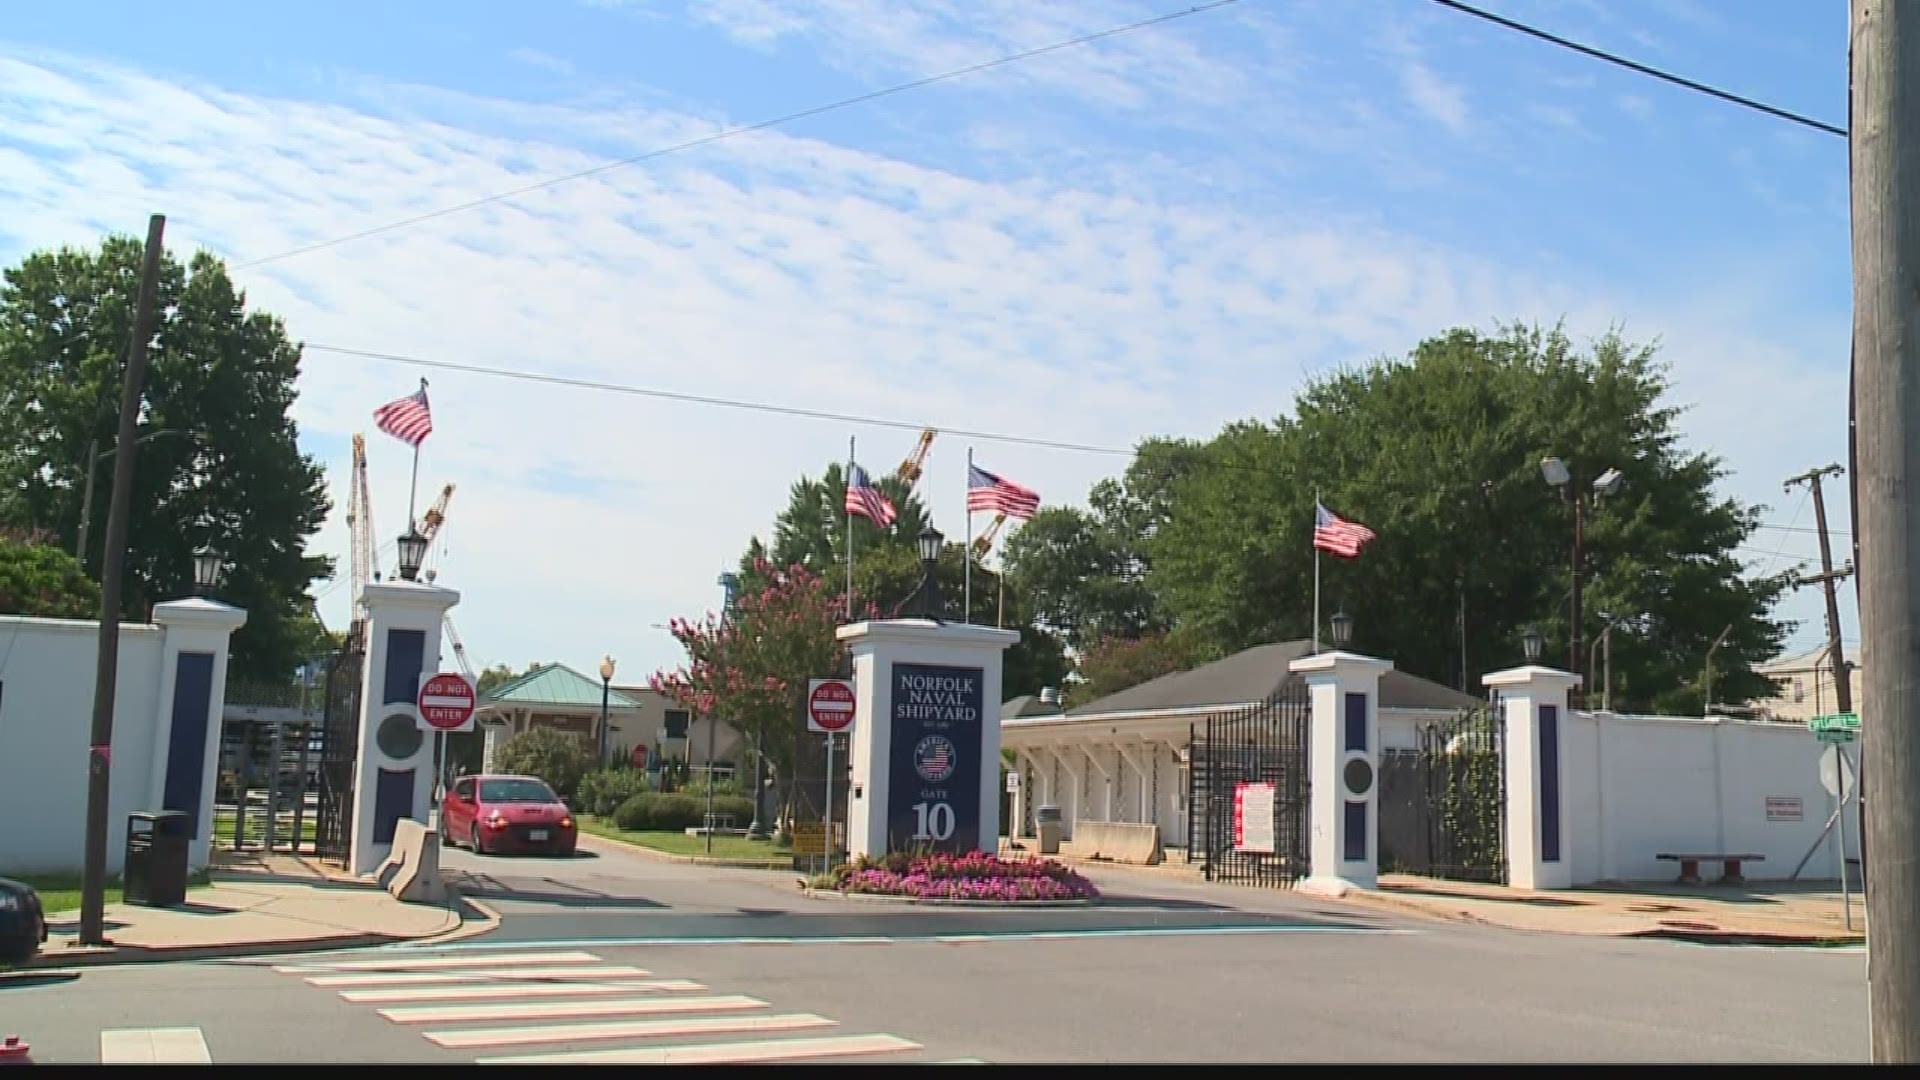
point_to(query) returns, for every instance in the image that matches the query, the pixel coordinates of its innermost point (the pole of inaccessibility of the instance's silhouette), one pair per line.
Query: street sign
(446, 702)
(1837, 736)
(1845, 721)
(1013, 782)
(830, 705)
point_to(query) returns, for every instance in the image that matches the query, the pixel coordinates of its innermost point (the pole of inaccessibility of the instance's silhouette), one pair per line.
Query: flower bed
(973, 876)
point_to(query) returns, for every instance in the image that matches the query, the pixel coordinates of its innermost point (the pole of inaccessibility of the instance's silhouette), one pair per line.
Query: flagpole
(848, 504)
(1316, 574)
(966, 548)
(414, 487)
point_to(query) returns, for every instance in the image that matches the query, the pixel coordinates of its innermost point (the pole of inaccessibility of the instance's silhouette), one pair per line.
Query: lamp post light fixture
(1342, 624)
(931, 542)
(207, 564)
(1531, 642)
(413, 552)
(606, 691)
(1558, 474)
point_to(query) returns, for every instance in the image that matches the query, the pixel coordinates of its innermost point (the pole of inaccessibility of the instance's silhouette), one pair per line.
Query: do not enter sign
(830, 705)
(446, 702)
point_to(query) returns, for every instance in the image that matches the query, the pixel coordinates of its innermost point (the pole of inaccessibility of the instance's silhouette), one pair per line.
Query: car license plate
(536, 834)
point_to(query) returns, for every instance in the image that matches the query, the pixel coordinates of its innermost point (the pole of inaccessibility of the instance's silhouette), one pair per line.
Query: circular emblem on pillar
(398, 736)
(933, 758)
(1358, 776)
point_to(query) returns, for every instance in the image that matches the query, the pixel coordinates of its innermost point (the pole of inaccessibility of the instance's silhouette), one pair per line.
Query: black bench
(1690, 866)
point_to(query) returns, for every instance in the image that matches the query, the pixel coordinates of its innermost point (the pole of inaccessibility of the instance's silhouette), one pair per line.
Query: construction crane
(360, 531)
(984, 542)
(436, 516)
(909, 470)
(459, 648)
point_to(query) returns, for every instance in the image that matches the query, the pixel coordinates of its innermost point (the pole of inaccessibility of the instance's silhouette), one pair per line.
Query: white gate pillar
(1342, 769)
(393, 776)
(1534, 701)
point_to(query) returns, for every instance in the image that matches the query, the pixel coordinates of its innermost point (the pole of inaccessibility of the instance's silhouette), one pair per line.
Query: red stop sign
(446, 701)
(830, 705)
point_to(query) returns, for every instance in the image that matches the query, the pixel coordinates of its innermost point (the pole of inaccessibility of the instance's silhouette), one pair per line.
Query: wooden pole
(1885, 170)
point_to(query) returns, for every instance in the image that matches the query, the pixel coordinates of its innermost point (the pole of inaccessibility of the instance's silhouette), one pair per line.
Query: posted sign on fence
(1253, 806)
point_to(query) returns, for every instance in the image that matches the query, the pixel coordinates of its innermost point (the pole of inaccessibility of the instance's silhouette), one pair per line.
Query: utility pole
(93, 878)
(1828, 579)
(1884, 159)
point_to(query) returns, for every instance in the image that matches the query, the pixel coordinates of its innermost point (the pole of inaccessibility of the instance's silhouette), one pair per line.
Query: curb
(1713, 936)
(695, 860)
(137, 954)
(873, 898)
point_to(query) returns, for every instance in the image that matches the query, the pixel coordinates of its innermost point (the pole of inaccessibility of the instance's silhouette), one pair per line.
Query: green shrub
(604, 791)
(554, 756)
(675, 812)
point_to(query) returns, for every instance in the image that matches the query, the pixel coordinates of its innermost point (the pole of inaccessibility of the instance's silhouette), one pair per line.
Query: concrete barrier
(1121, 841)
(412, 870)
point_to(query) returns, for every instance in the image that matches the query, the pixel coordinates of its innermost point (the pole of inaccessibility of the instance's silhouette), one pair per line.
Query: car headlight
(12, 902)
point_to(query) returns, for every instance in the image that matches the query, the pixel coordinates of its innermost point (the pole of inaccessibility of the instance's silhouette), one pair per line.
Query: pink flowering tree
(751, 670)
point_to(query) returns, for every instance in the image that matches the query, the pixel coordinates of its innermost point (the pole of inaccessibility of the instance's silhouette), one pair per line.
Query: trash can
(1047, 819)
(155, 871)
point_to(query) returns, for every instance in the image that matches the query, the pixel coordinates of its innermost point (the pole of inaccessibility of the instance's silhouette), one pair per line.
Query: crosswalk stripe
(720, 1053)
(625, 1029)
(154, 1046)
(405, 978)
(568, 1010)
(434, 963)
(498, 991)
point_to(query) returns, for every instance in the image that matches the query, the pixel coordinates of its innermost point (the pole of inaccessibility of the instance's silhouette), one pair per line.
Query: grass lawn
(61, 892)
(679, 843)
(257, 827)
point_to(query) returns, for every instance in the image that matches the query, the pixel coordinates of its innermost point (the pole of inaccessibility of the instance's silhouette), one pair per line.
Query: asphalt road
(1163, 972)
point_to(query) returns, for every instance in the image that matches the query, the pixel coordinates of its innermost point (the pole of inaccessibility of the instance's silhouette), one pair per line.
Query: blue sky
(1156, 233)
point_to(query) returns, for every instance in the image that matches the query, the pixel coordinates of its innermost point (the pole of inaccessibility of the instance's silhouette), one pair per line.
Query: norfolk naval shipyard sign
(933, 798)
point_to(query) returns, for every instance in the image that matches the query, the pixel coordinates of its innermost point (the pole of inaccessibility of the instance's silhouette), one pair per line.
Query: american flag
(865, 499)
(1336, 535)
(986, 491)
(936, 758)
(407, 419)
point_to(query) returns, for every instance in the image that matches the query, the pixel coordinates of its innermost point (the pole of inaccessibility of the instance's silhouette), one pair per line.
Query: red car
(507, 814)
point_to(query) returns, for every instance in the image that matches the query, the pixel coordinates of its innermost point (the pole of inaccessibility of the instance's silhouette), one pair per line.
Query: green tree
(495, 676)
(219, 462)
(812, 530)
(1114, 664)
(557, 757)
(1439, 454)
(39, 579)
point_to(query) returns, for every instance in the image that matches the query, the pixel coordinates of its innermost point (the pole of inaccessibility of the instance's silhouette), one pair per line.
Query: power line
(887, 423)
(760, 125)
(1644, 69)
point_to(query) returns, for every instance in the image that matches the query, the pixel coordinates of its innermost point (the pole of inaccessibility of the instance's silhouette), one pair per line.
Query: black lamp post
(413, 552)
(1559, 475)
(930, 544)
(207, 564)
(1342, 629)
(1531, 642)
(606, 690)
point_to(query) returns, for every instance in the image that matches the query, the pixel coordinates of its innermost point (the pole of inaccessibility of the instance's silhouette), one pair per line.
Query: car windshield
(516, 791)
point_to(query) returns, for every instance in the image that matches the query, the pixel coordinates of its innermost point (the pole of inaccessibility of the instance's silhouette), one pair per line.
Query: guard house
(1125, 757)
(558, 697)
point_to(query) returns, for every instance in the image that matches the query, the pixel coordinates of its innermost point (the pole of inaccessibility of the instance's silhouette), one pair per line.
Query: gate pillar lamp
(931, 542)
(207, 564)
(1531, 641)
(1556, 472)
(1342, 628)
(606, 690)
(413, 552)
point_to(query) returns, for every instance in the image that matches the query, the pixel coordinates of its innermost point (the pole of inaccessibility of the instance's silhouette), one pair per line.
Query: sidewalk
(1760, 912)
(260, 905)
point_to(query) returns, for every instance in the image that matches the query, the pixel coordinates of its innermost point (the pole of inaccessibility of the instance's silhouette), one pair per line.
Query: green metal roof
(555, 684)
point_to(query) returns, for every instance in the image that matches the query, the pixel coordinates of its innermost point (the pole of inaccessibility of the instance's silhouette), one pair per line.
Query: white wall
(46, 716)
(1637, 786)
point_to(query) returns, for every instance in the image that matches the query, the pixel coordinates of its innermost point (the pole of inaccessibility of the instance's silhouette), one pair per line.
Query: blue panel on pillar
(406, 652)
(187, 745)
(1354, 837)
(392, 800)
(933, 787)
(1549, 783)
(1356, 716)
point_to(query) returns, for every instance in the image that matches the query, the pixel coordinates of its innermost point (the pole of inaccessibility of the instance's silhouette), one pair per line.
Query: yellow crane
(984, 542)
(360, 537)
(909, 470)
(430, 524)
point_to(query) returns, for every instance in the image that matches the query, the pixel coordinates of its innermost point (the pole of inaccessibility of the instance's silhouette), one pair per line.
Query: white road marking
(567, 1010)
(404, 978)
(721, 1053)
(154, 1046)
(435, 963)
(499, 991)
(626, 1029)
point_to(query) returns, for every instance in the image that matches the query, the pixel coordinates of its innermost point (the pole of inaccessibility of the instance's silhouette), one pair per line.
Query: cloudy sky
(1155, 233)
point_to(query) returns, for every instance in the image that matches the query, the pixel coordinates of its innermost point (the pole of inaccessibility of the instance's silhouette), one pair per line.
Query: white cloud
(544, 61)
(1437, 97)
(768, 267)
